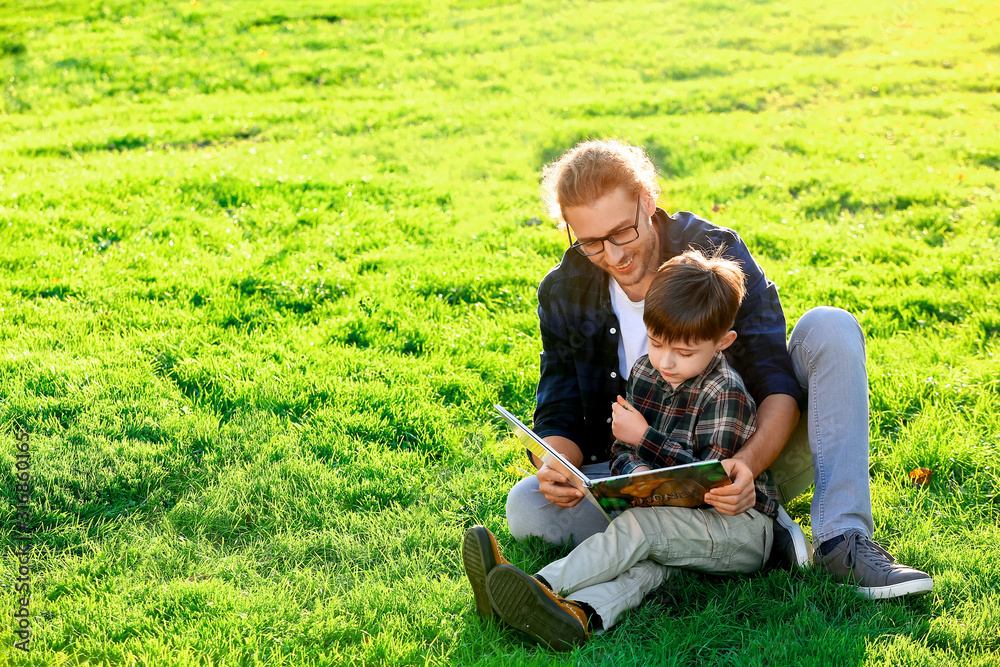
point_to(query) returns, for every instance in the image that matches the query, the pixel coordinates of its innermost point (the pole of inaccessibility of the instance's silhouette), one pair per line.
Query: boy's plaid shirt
(707, 417)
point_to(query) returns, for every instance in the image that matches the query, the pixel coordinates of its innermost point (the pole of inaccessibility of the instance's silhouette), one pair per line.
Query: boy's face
(680, 361)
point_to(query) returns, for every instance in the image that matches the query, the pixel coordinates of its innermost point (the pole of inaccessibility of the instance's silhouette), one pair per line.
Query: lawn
(265, 268)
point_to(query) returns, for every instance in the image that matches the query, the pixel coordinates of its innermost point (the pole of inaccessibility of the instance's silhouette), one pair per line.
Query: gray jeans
(827, 348)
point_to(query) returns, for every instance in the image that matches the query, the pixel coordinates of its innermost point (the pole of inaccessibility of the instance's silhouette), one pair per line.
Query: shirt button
(613, 330)
(613, 374)
(609, 420)
(593, 458)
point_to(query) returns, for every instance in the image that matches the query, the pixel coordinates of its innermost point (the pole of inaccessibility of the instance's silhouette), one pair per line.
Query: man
(590, 312)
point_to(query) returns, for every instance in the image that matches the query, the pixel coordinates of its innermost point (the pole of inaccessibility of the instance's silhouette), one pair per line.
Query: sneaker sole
(478, 559)
(801, 549)
(518, 599)
(914, 587)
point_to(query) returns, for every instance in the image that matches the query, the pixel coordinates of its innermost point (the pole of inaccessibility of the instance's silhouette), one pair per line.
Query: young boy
(684, 404)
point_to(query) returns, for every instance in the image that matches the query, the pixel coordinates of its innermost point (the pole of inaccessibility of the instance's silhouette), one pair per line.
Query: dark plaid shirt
(579, 365)
(706, 417)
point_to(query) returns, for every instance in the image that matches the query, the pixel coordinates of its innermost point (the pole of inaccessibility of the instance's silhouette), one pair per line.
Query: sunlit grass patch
(266, 269)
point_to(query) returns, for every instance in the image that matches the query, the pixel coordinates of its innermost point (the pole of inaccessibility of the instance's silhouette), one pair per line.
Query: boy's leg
(530, 513)
(613, 570)
(534, 606)
(626, 591)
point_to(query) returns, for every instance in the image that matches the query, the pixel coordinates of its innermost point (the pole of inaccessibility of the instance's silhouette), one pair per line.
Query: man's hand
(554, 486)
(737, 497)
(626, 422)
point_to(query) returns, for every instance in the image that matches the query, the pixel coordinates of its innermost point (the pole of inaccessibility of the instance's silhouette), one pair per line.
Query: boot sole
(478, 559)
(520, 601)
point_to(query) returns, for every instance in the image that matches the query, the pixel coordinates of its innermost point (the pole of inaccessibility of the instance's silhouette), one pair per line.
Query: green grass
(264, 269)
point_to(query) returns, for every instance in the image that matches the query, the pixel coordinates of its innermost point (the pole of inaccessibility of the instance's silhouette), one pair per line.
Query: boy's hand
(626, 422)
(737, 497)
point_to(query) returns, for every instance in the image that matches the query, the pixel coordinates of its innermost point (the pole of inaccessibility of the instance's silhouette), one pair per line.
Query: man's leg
(828, 352)
(827, 348)
(530, 513)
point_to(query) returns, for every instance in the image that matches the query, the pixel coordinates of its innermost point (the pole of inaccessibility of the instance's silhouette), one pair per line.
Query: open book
(681, 486)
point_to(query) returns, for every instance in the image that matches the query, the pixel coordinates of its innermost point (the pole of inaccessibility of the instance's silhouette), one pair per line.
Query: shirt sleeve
(559, 404)
(760, 352)
(655, 450)
(725, 424)
(624, 458)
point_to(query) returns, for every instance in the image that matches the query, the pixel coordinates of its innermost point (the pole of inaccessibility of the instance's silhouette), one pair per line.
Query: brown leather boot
(526, 604)
(480, 554)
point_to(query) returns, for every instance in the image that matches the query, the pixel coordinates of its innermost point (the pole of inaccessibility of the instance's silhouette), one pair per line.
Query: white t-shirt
(632, 343)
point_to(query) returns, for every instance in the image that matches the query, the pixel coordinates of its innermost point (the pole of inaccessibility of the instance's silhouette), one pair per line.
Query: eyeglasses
(621, 237)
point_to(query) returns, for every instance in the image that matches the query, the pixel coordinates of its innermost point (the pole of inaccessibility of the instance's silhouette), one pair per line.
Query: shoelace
(860, 547)
(589, 622)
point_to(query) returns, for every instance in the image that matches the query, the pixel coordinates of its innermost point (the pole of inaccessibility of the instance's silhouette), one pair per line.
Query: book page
(680, 486)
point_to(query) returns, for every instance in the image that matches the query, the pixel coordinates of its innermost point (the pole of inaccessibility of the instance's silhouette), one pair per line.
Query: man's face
(631, 265)
(676, 361)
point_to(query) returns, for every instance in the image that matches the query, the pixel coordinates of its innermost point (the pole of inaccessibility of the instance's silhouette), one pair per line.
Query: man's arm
(760, 356)
(777, 416)
(559, 403)
(760, 352)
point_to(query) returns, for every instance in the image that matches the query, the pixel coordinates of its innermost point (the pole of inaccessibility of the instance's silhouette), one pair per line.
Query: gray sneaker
(860, 562)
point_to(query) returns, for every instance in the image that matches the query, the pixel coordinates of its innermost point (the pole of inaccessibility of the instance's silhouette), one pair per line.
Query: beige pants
(612, 571)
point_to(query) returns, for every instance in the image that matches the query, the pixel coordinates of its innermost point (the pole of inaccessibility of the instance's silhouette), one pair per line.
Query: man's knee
(529, 513)
(522, 507)
(829, 331)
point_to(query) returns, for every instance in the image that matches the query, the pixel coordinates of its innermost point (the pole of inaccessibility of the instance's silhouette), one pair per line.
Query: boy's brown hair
(694, 297)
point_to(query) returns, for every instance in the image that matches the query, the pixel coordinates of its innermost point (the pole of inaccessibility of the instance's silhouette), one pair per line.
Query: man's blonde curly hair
(593, 169)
